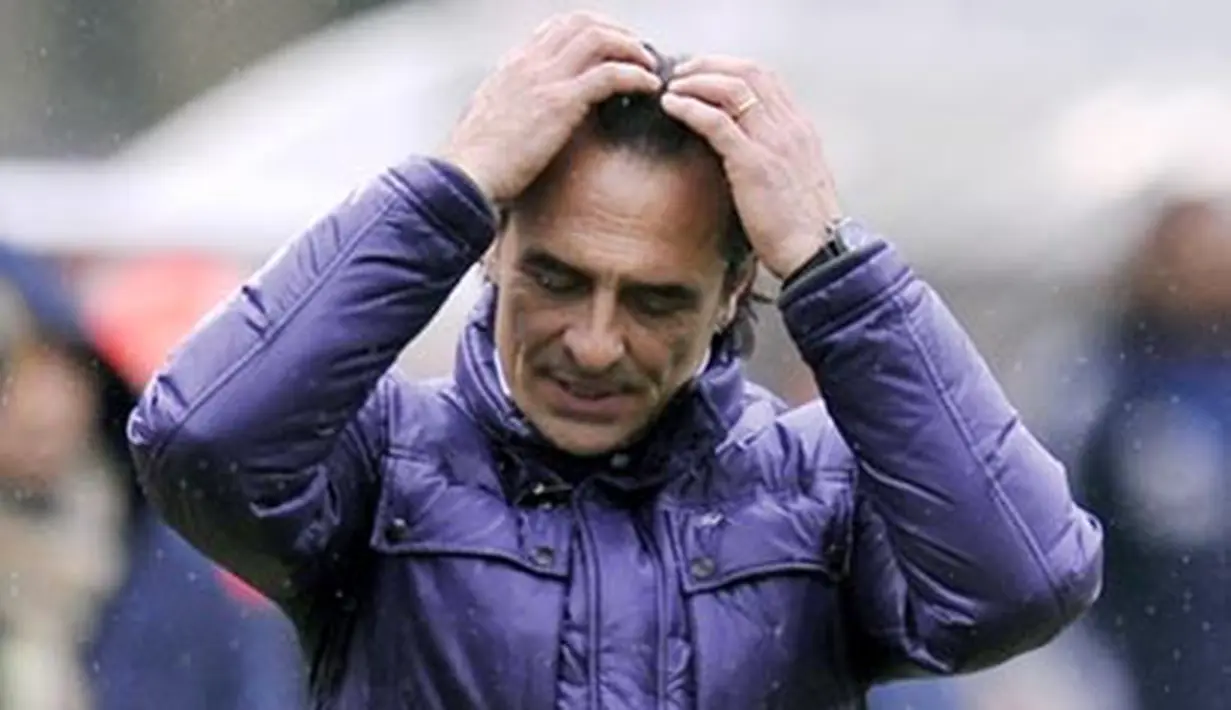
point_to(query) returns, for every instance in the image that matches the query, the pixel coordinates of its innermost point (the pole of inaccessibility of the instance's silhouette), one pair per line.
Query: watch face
(848, 234)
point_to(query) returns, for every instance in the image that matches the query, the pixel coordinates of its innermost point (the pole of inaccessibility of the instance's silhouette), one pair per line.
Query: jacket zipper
(663, 599)
(592, 593)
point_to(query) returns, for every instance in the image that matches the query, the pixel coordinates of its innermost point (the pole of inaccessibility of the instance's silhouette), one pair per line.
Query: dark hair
(637, 123)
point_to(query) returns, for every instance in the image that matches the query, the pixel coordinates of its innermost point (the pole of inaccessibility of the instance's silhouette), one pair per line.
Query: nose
(594, 341)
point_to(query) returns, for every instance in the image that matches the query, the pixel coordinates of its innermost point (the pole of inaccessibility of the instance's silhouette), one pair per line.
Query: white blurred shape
(1128, 137)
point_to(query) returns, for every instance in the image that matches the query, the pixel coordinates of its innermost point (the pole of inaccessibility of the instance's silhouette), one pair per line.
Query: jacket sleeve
(259, 439)
(966, 545)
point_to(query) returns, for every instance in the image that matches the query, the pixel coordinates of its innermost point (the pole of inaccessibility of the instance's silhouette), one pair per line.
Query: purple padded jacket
(434, 552)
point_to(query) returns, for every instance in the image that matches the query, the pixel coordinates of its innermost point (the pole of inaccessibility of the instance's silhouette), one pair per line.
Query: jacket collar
(683, 438)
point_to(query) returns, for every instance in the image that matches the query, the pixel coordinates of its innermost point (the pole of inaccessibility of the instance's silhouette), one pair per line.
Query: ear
(491, 258)
(503, 250)
(489, 261)
(738, 286)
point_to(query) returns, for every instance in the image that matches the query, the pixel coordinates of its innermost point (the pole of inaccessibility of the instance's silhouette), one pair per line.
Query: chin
(582, 439)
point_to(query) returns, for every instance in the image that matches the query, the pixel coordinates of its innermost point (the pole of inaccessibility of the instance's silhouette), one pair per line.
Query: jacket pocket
(761, 584)
(466, 592)
(424, 511)
(770, 536)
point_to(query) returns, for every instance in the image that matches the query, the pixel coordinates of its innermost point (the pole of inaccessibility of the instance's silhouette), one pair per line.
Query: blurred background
(1057, 170)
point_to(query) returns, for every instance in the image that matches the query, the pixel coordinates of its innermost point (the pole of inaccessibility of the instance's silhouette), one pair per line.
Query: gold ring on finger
(746, 106)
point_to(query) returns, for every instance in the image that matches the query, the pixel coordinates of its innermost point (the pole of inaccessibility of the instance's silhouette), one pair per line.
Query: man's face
(611, 286)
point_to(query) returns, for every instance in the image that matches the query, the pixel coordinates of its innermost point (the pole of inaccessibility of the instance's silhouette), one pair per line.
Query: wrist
(474, 177)
(815, 250)
(471, 167)
(455, 201)
(793, 255)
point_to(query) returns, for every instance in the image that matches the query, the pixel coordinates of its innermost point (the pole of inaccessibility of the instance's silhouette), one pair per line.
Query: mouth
(589, 390)
(594, 402)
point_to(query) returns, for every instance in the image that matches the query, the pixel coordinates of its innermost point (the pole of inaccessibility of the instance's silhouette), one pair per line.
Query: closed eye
(556, 283)
(552, 276)
(658, 302)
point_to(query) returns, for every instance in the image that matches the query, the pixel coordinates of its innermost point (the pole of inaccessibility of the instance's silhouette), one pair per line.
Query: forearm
(253, 404)
(977, 517)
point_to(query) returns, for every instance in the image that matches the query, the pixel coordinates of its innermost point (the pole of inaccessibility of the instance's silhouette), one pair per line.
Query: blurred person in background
(102, 607)
(598, 509)
(1158, 465)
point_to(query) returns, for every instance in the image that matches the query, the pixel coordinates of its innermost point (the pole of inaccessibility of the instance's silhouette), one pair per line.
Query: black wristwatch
(835, 246)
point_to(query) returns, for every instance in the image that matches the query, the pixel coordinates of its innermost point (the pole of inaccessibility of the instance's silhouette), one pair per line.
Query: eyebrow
(679, 293)
(540, 260)
(537, 259)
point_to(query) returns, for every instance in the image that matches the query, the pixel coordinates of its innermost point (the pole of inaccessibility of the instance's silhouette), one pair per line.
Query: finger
(609, 78)
(595, 43)
(709, 121)
(764, 82)
(731, 93)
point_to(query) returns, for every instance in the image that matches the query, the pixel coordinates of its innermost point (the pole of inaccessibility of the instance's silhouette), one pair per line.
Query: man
(1157, 464)
(104, 607)
(597, 510)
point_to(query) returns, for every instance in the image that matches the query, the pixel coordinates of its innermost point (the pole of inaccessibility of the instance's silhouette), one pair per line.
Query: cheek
(684, 350)
(532, 321)
(666, 353)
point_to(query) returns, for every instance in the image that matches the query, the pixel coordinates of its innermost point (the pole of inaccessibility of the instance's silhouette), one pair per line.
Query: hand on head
(525, 112)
